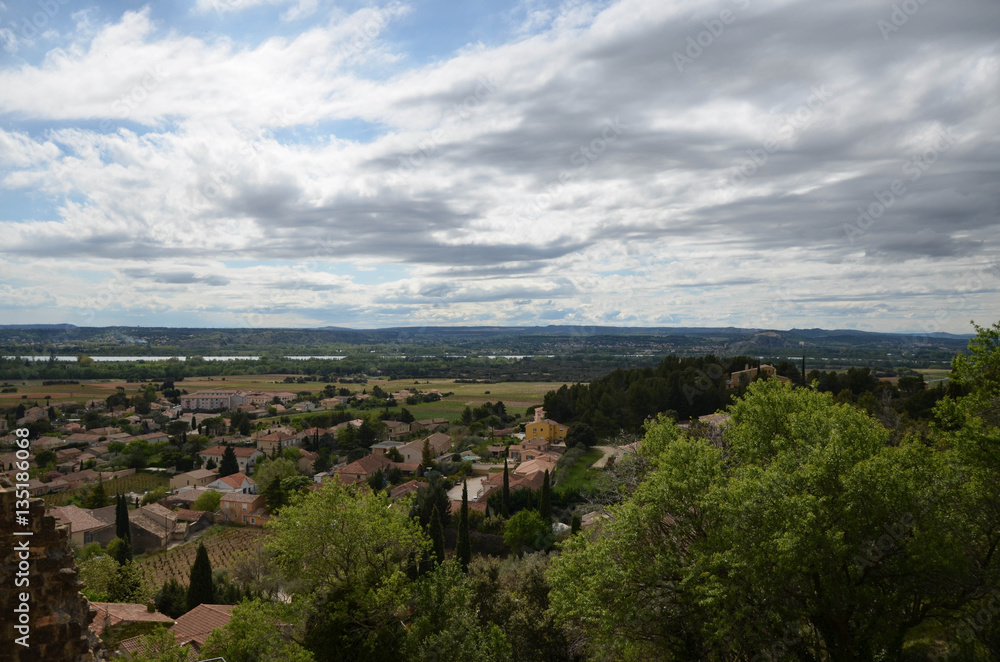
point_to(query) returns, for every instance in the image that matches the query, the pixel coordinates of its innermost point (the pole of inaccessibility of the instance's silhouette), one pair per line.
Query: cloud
(568, 166)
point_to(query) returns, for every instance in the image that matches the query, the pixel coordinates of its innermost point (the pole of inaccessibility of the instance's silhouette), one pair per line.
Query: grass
(581, 476)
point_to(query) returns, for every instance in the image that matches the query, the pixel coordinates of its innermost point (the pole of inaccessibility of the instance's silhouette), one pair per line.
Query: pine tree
(201, 590)
(436, 532)
(463, 548)
(228, 466)
(505, 504)
(545, 499)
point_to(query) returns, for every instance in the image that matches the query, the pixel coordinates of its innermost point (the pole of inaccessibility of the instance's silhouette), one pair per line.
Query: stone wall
(58, 612)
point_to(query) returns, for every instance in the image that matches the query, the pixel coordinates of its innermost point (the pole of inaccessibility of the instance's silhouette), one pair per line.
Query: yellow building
(544, 429)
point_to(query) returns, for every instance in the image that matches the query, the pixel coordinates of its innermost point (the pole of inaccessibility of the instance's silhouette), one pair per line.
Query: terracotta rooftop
(77, 518)
(238, 450)
(239, 497)
(110, 614)
(197, 624)
(186, 515)
(235, 480)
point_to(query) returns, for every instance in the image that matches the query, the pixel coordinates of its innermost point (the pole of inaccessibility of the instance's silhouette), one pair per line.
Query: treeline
(569, 368)
(624, 399)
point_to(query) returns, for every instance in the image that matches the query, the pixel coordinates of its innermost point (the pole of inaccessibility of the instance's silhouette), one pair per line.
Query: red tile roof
(110, 614)
(197, 624)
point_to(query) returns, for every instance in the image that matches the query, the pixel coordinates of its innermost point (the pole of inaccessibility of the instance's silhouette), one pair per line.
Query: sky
(302, 163)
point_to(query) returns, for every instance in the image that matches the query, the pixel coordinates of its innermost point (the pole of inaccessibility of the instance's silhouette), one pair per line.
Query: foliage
(445, 626)
(154, 495)
(122, 528)
(436, 533)
(255, 633)
(806, 527)
(580, 434)
(228, 465)
(171, 599)
(527, 530)
(208, 501)
(463, 547)
(120, 550)
(127, 585)
(346, 552)
(201, 588)
(545, 499)
(98, 572)
(97, 498)
(158, 646)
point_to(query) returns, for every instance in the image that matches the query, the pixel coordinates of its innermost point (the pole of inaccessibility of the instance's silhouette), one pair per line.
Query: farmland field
(223, 544)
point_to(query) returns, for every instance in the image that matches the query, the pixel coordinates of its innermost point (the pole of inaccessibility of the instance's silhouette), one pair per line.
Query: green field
(581, 476)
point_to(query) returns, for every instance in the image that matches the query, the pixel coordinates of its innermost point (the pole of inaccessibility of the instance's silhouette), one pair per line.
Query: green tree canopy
(255, 633)
(806, 527)
(208, 501)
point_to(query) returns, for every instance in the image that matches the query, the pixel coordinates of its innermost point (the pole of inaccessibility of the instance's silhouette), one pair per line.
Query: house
(362, 469)
(33, 414)
(234, 483)
(413, 452)
(527, 450)
(498, 451)
(428, 424)
(743, 377)
(306, 460)
(153, 437)
(184, 497)
(271, 430)
(196, 520)
(383, 447)
(109, 614)
(400, 491)
(544, 429)
(48, 443)
(67, 454)
(83, 526)
(246, 458)
(242, 508)
(397, 429)
(275, 442)
(212, 400)
(151, 527)
(193, 628)
(196, 478)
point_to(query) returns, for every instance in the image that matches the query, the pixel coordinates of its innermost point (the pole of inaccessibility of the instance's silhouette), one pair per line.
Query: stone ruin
(59, 614)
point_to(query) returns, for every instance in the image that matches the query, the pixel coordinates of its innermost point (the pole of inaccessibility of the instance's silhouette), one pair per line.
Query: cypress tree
(228, 465)
(201, 590)
(122, 529)
(463, 548)
(123, 552)
(436, 532)
(545, 499)
(505, 502)
(576, 525)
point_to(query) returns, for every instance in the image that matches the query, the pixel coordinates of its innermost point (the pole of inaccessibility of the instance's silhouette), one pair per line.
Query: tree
(406, 416)
(208, 501)
(580, 434)
(463, 548)
(171, 599)
(201, 589)
(255, 633)
(545, 499)
(120, 549)
(427, 455)
(346, 552)
(122, 528)
(809, 525)
(45, 457)
(436, 533)
(127, 585)
(528, 530)
(228, 465)
(97, 497)
(505, 504)
(97, 574)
